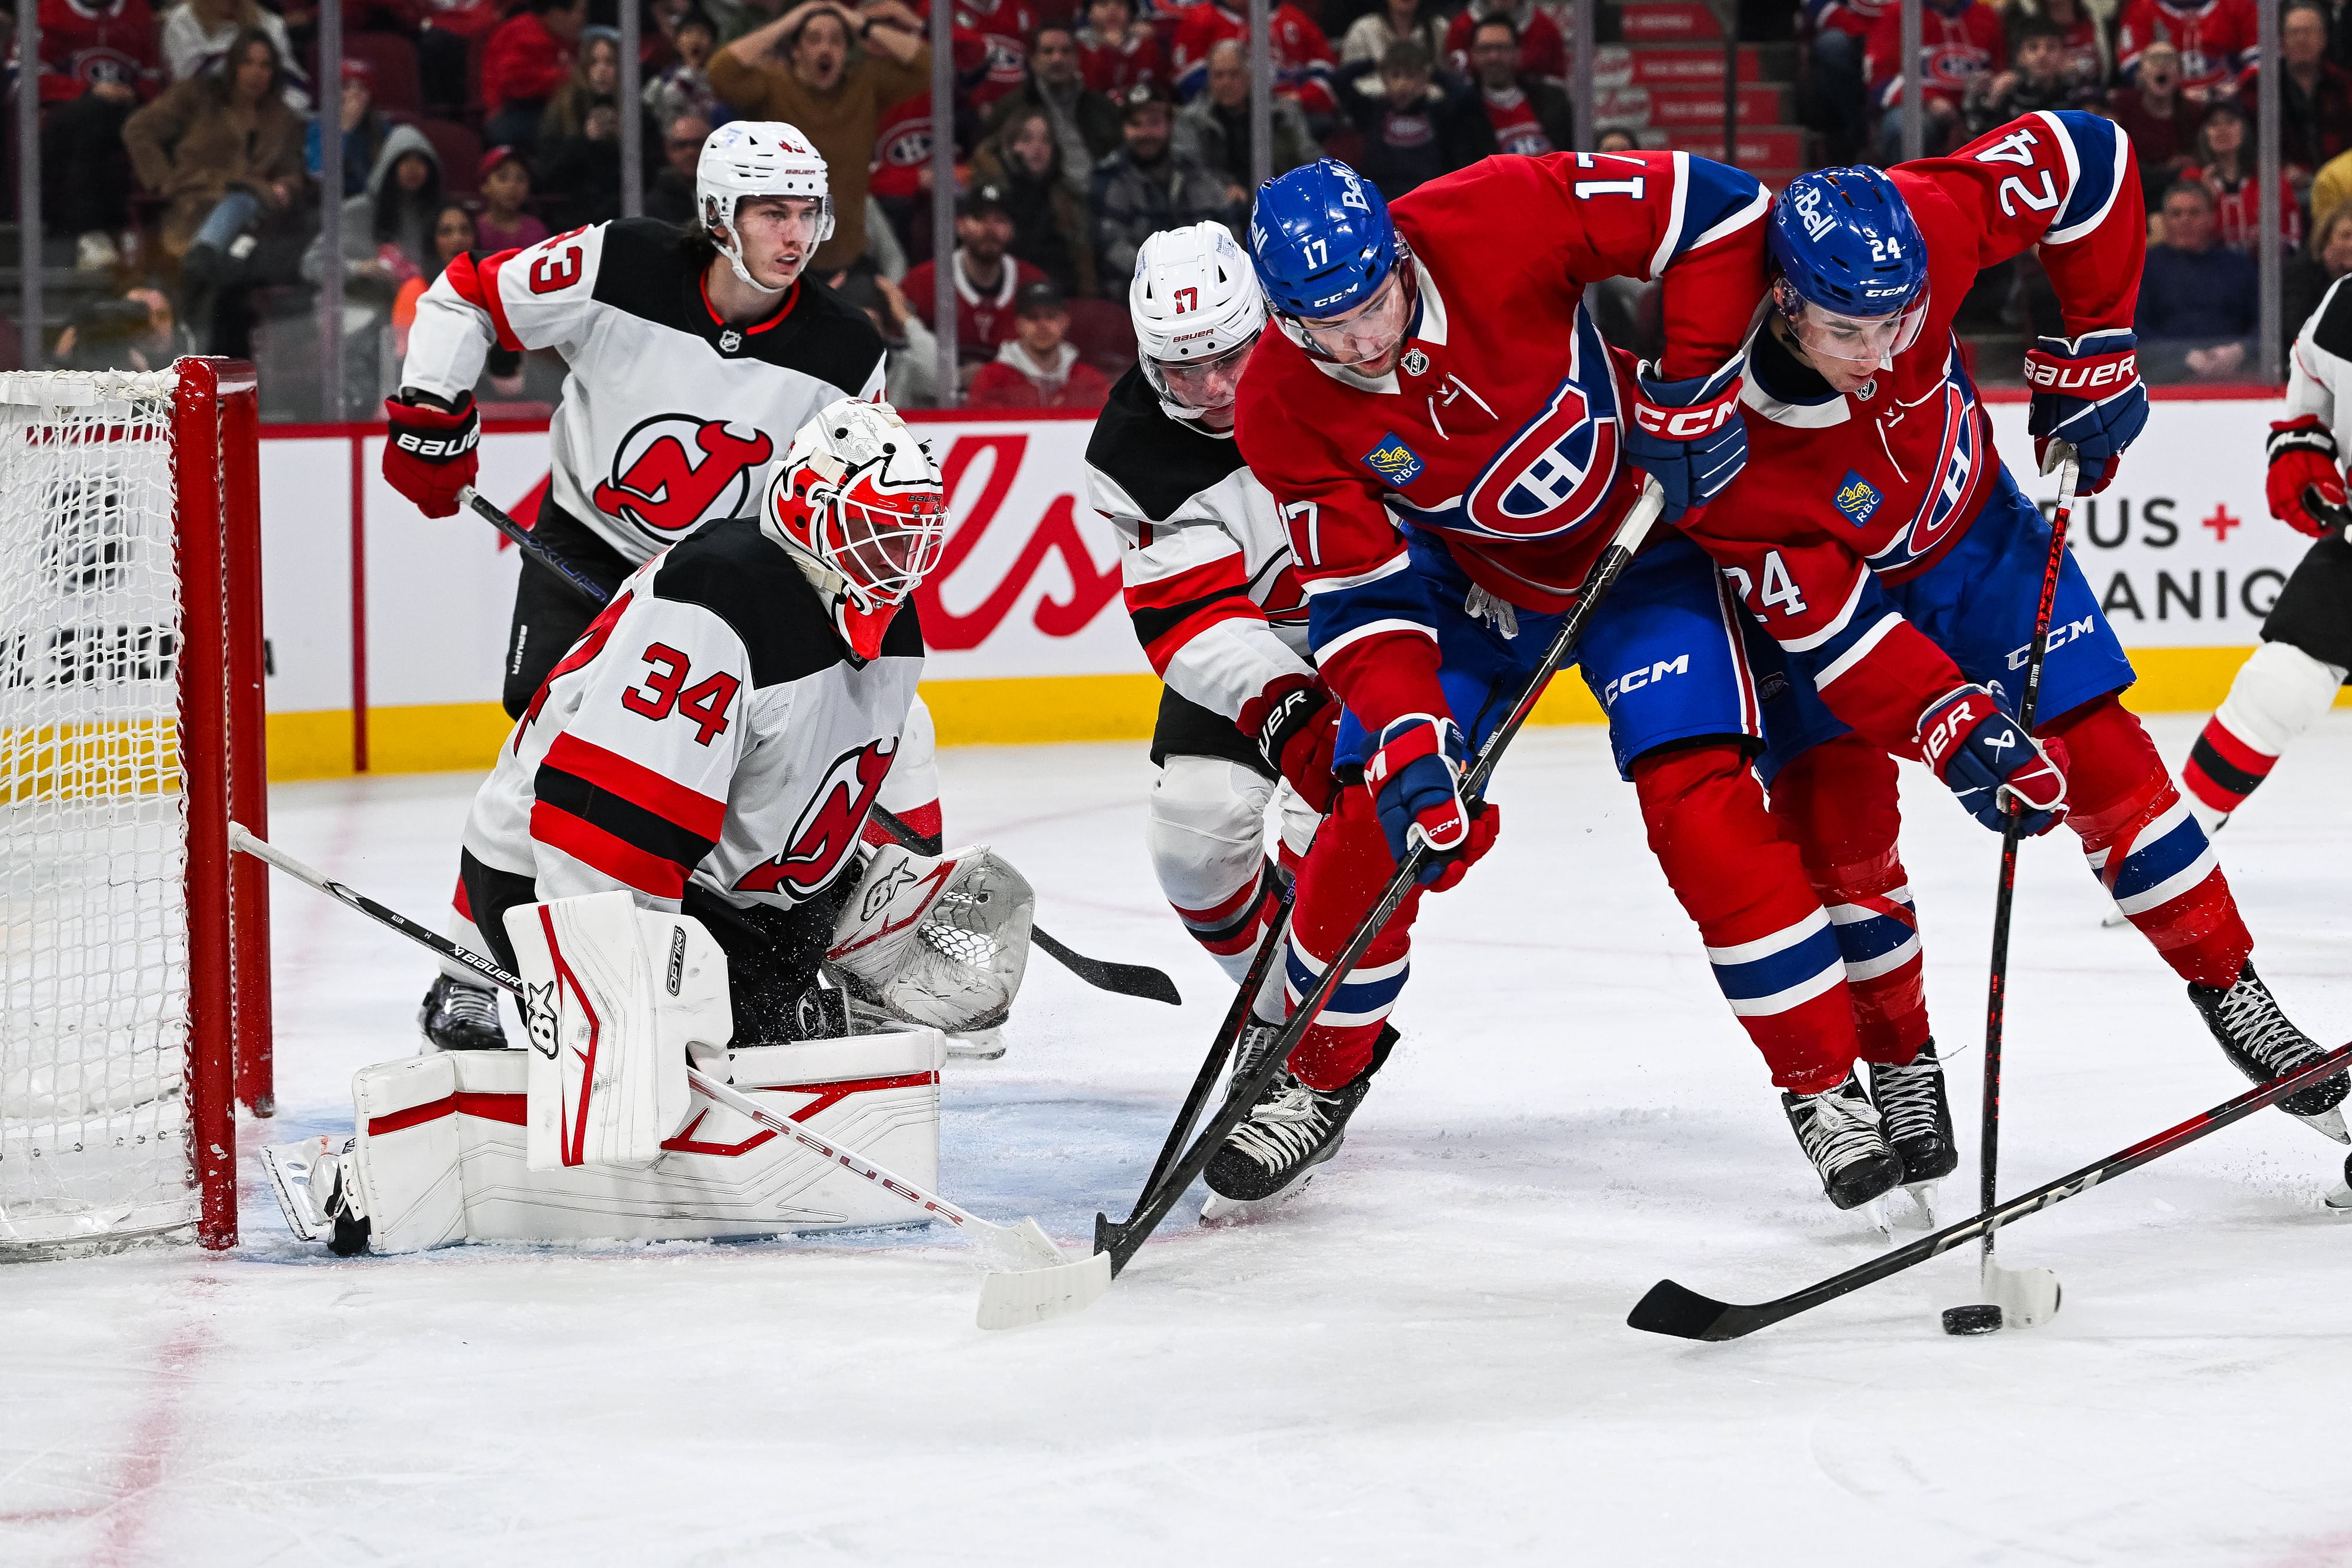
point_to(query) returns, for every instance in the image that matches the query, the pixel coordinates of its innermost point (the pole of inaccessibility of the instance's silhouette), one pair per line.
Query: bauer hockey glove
(431, 454)
(1986, 759)
(2086, 390)
(1415, 777)
(1296, 724)
(1688, 435)
(2306, 481)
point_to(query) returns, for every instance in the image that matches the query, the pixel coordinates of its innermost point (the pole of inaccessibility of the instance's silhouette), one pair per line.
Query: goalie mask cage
(134, 979)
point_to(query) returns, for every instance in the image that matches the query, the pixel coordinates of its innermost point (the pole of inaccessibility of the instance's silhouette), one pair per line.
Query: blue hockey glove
(1984, 757)
(2086, 390)
(1415, 777)
(1689, 434)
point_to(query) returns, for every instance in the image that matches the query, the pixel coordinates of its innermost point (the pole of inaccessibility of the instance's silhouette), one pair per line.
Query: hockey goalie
(668, 855)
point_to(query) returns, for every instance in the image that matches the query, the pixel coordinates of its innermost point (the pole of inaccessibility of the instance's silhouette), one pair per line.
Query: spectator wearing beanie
(504, 181)
(526, 62)
(987, 276)
(1144, 187)
(1024, 161)
(1036, 368)
(836, 102)
(1084, 122)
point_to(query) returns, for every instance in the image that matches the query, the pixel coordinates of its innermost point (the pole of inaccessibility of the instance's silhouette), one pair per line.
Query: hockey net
(133, 960)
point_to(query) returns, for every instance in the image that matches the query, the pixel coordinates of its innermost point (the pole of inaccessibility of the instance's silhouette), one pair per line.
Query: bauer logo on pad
(1857, 500)
(1395, 461)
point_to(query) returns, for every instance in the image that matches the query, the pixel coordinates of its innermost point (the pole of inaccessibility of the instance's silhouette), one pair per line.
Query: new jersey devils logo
(1554, 473)
(821, 840)
(674, 471)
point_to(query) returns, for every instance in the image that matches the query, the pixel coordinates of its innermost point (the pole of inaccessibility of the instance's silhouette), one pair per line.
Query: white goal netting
(93, 834)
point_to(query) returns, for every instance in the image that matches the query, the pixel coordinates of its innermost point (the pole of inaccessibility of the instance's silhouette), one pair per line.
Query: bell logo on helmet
(1808, 200)
(822, 840)
(675, 471)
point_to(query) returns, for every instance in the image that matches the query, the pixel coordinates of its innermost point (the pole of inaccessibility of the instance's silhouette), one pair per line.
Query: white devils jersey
(710, 727)
(1204, 558)
(2319, 367)
(669, 418)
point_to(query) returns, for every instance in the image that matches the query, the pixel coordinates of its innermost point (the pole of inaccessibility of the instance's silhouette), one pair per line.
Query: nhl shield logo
(729, 340)
(1416, 364)
(1395, 461)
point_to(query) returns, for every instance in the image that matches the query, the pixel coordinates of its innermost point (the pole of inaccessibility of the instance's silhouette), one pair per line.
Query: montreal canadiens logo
(1555, 473)
(1956, 467)
(821, 840)
(674, 471)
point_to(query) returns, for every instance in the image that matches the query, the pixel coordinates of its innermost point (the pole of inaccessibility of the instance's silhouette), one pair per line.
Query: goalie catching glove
(940, 940)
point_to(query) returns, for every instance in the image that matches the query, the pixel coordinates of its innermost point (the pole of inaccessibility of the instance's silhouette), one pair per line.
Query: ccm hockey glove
(1296, 724)
(2086, 390)
(1984, 757)
(1689, 434)
(431, 454)
(1415, 778)
(2306, 479)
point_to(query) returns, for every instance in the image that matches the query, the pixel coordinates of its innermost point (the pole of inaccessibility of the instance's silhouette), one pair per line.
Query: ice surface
(1424, 1359)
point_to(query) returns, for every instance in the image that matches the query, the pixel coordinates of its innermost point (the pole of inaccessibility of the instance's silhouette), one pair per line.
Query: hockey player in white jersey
(693, 355)
(2306, 647)
(1207, 572)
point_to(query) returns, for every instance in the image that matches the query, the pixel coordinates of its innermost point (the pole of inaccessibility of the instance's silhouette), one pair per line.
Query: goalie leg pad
(613, 996)
(404, 1158)
(941, 941)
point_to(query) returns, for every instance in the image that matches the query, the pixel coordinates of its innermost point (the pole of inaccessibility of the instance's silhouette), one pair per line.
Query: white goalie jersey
(669, 418)
(1205, 562)
(709, 727)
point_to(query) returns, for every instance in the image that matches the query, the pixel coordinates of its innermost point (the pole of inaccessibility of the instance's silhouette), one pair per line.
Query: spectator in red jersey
(2225, 162)
(1117, 52)
(1837, 102)
(1024, 161)
(2215, 37)
(1529, 115)
(1213, 130)
(1036, 368)
(1004, 28)
(524, 64)
(1085, 124)
(2160, 120)
(1543, 50)
(1959, 40)
(986, 277)
(2314, 96)
(2090, 55)
(1302, 56)
(99, 63)
(504, 179)
(1415, 125)
(1367, 38)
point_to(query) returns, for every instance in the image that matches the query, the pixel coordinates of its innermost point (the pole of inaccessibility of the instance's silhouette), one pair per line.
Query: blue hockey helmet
(1321, 239)
(1853, 266)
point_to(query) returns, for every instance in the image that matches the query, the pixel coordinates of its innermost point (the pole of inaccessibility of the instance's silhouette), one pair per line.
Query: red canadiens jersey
(902, 149)
(1841, 492)
(1005, 28)
(1955, 48)
(1499, 433)
(1302, 55)
(710, 727)
(2216, 40)
(84, 45)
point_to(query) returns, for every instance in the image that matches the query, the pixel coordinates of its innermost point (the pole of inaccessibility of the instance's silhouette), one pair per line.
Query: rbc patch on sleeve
(1857, 500)
(1395, 461)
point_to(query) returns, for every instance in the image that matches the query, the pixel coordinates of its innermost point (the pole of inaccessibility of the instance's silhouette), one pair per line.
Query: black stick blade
(1675, 1310)
(1126, 979)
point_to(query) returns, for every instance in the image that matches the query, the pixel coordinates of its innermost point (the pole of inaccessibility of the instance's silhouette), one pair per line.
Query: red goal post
(134, 960)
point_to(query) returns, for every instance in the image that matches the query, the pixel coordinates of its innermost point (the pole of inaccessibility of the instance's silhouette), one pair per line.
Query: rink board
(387, 628)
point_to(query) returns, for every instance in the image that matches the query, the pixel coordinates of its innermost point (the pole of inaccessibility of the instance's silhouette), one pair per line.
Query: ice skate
(308, 1175)
(1840, 1133)
(1272, 1155)
(458, 1015)
(1916, 1120)
(2262, 1043)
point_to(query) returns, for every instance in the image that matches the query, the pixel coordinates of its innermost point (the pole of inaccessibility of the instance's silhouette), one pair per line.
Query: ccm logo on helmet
(437, 448)
(2061, 375)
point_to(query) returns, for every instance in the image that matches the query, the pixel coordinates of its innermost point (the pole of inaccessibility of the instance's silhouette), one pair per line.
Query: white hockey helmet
(1197, 311)
(858, 503)
(746, 158)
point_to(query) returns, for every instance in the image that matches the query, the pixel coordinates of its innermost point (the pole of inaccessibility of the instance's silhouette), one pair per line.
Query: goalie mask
(749, 158)
(858, 504)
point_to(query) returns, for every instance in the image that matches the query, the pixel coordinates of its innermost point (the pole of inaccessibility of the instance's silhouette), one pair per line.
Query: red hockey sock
(1836, 803)
(1345, 869)
(2146, 847)
(1232, 928)
(1774, 952)
(2223, 769)
(461, 903)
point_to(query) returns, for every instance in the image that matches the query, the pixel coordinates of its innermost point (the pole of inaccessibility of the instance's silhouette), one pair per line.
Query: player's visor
(1371, 331)
(884, 546)
(1204, 386)
(1855, 340)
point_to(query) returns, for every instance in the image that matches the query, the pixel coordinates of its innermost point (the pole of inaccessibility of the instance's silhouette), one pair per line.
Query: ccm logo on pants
(1635, 680)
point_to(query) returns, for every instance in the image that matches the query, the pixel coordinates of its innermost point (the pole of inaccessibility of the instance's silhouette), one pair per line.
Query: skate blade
(1923, 1201)
(976, 1045)
(1221, 1210)
(2339, 1200)
(288, 1169)
(1875, 1215)
(1020, 1297)
(2328, 1123)
(2027, 1297)
(2115, 917)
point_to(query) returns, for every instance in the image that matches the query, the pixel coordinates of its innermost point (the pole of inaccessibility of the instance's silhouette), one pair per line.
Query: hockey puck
(1982, 1319)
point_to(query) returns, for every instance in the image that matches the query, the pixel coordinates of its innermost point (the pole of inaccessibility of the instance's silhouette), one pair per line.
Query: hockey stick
(1126, 979)
(1228, 1033)
(1672, 1309)
(2021, 1298)
(1120, 1240)
(1030, 1280)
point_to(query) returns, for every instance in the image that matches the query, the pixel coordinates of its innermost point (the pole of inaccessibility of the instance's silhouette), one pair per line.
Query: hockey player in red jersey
(1451, 445)
(1881, 543)
(692, 358)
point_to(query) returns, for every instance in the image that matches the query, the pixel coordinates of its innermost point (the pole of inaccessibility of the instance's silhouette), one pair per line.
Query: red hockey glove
(1296, 724)
(1415, 777)
(431, 454)
(2306, 477)
(1986, 759)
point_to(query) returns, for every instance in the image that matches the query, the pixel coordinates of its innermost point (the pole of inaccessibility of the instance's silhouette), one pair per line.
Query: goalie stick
(1119, 1241)
(1672, 1309)
(1029, 1281)
(1126, 979)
